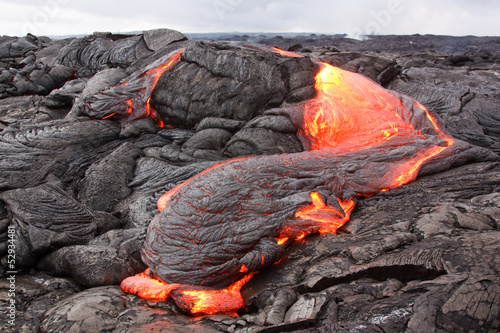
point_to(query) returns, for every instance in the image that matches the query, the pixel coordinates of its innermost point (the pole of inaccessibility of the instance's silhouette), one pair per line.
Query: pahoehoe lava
(222, 226)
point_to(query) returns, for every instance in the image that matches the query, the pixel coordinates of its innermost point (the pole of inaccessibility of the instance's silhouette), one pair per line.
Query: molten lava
(133, 96)
(285, 53)
(212, 301)
(192, 299)
(350, 114)
(146, 286)
(330, 218)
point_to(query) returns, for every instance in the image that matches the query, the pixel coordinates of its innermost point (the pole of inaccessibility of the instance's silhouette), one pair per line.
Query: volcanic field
(250, 184)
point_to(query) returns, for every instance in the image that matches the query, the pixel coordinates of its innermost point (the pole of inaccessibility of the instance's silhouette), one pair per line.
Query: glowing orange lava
(329, 218)
(147, 287)
(143, 107)
(285, 53)
(192, 299)
(158, 72)
(352, 113)
(213, 301)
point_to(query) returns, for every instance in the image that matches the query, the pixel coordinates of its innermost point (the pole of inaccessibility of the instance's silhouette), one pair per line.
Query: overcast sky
(354, 17)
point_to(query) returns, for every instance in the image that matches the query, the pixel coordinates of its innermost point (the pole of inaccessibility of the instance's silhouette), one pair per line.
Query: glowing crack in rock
(134, 96)
(216, 230)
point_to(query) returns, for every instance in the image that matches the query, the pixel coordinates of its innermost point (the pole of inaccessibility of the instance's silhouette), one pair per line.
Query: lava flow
(219, 228)
(352, 113)
(133, 96)
(195, 300)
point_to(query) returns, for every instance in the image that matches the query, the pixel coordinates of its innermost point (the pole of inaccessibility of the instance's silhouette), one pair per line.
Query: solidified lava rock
(109, 175)
(61, 148)
(46, 219)
(230, 81)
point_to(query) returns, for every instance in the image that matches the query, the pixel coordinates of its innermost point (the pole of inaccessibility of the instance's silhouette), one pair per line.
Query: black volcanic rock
(96, 309)
(468, 106)
(31, 77)
(229, 125)
(106, 181)
(66, 95)
(210, 138)
(103, 80)
(46, 218)
(93, 52)
(259, 141)
(13, 47)
(157, 39)
(276, 123)
(25, 108)
(49, 78)
(107, 259)
(248, 83)
(61, 148)
(97, 51)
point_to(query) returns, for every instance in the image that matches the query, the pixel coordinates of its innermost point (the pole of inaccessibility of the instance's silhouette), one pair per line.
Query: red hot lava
(134, 96)
(350, 114)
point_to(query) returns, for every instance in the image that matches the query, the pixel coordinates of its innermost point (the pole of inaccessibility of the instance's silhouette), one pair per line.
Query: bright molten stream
(352, 113)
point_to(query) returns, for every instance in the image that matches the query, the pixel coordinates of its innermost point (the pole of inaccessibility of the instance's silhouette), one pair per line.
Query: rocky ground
(79, 191)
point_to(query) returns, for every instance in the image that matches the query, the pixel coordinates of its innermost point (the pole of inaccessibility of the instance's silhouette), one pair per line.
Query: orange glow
(158, 72)
(351, 112)
(143, 106)
(329, 218)
(281, 240)
(109, 116)
(130, 106)
(301, 236)
(147, 287)
(213, 301)
(165, 198)
(318, 205)
(194, 300)
(285, 53)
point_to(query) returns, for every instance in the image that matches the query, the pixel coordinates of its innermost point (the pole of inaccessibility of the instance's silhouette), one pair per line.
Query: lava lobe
(222, 226)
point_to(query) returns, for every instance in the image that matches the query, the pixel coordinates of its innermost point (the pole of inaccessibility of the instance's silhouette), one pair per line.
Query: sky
(352, 17)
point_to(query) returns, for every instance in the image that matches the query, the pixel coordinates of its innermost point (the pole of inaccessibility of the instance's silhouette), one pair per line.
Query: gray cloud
(61, 17)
